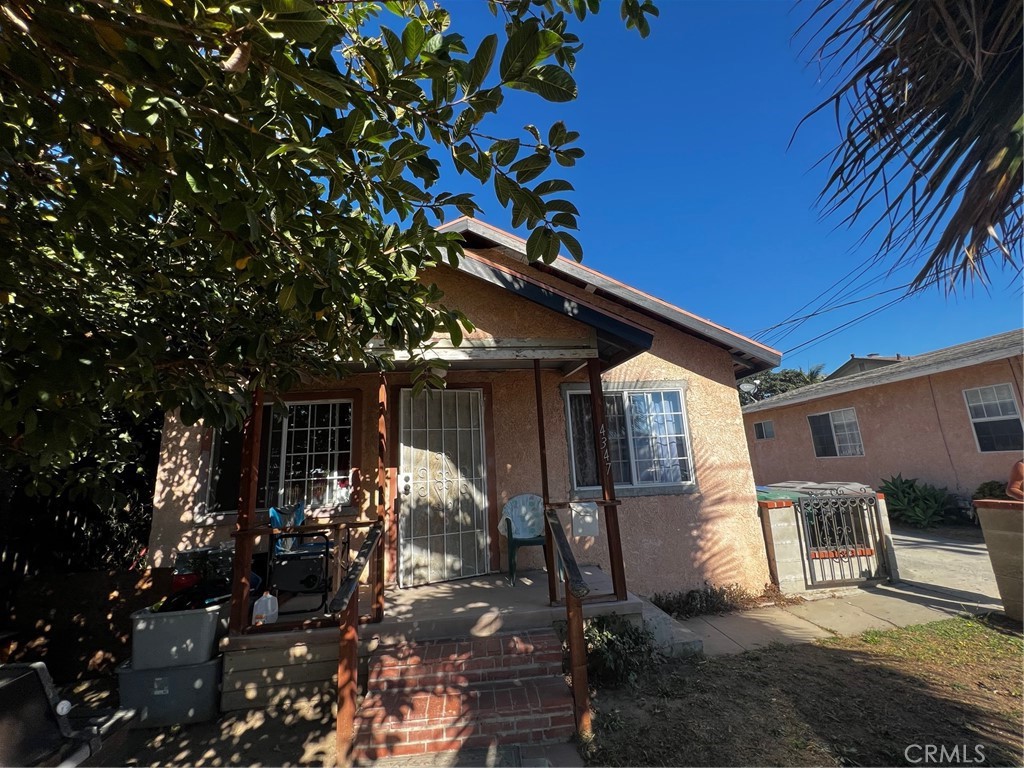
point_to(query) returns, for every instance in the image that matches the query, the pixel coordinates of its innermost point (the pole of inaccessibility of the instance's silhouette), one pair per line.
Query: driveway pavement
(941, 576)
(958, 567)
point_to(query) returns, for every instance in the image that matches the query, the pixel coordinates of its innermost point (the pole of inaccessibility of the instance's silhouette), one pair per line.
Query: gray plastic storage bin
(172, 695)
(175, 638)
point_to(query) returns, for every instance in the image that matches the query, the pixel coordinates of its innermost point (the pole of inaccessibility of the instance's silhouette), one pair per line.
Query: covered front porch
(421, 560)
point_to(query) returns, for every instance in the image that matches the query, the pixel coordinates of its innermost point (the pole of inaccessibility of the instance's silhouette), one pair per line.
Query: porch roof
(748, 355)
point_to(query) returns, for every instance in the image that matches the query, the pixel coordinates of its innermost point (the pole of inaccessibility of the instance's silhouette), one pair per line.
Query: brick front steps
(435, 696)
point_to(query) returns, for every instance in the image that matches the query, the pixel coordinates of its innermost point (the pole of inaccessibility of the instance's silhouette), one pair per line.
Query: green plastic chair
(522, 523)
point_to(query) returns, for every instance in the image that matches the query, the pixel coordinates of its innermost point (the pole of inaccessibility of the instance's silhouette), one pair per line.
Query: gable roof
(860, 364)
(748, 355)
(985, 350)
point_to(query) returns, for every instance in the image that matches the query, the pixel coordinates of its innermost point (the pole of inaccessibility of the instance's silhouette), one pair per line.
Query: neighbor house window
(995, 418)
(764, 430)
(305, 455)
(647, 438)
(836, 434)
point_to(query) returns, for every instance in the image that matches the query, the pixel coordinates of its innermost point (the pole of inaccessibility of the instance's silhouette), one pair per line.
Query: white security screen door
(442, 486)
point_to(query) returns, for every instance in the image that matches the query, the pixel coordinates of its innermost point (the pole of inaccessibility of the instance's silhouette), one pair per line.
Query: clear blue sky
(688, 190)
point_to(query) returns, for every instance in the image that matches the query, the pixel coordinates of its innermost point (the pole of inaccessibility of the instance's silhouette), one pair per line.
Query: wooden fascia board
(495, 350)
(631, 334)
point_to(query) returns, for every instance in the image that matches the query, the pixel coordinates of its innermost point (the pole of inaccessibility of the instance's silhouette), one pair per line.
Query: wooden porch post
(604, 468)
(246, 512)
(348, 671)
(382, 448)
(549, 544)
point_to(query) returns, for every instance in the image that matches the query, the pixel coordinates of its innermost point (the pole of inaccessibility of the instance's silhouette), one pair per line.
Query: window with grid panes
(305, 455)
(996, 420)
(647, 438)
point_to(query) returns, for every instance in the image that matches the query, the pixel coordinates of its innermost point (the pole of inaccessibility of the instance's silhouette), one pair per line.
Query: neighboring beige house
(687, 506)
(950, 418)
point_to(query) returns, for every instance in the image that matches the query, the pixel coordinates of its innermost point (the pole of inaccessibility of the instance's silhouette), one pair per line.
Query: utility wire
(833, 331)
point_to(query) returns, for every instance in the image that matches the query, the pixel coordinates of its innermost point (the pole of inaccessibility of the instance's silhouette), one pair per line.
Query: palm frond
(929, 97)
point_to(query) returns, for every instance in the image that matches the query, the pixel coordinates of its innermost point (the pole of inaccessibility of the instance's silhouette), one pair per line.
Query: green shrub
(710, 599)
(617, 651)
(918, 504)
(993, 489)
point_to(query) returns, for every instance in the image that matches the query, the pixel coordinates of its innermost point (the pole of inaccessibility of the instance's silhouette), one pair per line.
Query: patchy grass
(844, 701)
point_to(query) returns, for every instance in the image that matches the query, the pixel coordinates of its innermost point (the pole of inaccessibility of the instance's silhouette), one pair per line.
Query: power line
(860, 318)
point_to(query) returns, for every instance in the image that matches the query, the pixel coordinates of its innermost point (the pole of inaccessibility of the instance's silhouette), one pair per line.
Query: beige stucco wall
(670, 542)
(918, 427)
(183, 473)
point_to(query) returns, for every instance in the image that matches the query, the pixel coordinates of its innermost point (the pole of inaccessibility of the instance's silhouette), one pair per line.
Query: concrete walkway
(941, 577)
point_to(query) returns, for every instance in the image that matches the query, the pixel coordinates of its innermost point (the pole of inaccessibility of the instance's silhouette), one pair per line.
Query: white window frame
(624, 393)
(352, 451)
(1013, 401)
(208, 464)
(835, 438)
(765, 436)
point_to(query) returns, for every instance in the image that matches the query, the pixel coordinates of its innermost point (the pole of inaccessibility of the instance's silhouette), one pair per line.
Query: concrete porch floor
(486, 605)
(476, 607)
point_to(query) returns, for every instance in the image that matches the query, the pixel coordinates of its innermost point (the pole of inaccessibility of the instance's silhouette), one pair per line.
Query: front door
(443, 531)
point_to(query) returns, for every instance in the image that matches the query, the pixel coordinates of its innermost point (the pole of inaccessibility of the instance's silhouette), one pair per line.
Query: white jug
(265, 610)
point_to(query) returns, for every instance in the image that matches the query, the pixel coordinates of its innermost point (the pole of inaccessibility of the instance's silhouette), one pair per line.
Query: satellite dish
(748, 387)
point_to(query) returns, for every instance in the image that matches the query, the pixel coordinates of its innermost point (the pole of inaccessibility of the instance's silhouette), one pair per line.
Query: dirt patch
(849, 701)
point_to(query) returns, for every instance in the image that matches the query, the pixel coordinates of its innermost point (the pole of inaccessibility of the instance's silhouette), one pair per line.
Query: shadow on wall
(184, 457)
(689, 540)
(680, 542)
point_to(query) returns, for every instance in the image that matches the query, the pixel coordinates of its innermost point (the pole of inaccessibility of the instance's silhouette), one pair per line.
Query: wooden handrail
(575, 590)
(345, 606)
(355, 571)
(574, 581)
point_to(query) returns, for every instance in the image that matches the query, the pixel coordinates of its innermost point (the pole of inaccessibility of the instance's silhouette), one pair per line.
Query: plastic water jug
(265, 610)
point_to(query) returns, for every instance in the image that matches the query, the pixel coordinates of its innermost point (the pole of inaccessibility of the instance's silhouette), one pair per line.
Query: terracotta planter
(1003, 525)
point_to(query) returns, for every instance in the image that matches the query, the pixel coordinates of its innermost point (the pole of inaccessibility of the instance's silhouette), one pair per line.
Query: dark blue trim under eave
(630, 339)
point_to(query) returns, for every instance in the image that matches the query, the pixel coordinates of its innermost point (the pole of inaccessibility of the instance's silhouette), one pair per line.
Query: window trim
(973, 421)
(624, 390)
(763, 436)
(835, 440)
(284, 440)
(202, 517)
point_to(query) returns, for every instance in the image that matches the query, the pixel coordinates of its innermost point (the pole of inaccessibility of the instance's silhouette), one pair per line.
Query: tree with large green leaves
(770, 383)
(199, 198)
(929, 101)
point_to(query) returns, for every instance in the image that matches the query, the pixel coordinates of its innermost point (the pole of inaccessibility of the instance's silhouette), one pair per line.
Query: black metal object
(306, 569)
(574, 578)
(841, 539)
(350, 584)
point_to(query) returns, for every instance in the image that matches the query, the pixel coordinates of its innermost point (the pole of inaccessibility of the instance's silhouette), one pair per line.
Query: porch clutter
(522, 524)
(173, 675)
(442, 695)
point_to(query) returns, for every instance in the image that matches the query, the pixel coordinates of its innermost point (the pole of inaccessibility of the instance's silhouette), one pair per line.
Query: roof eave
(748, 356)
(854, 383)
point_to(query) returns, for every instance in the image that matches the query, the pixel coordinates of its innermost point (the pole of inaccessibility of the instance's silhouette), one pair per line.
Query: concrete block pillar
(885, 539)
(782, 540)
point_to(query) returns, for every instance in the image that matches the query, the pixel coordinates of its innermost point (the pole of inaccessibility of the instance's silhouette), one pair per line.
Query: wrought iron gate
(841, 539)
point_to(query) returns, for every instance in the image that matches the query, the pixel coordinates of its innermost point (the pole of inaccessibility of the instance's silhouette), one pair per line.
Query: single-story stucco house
(686, 501)
(951, 418)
